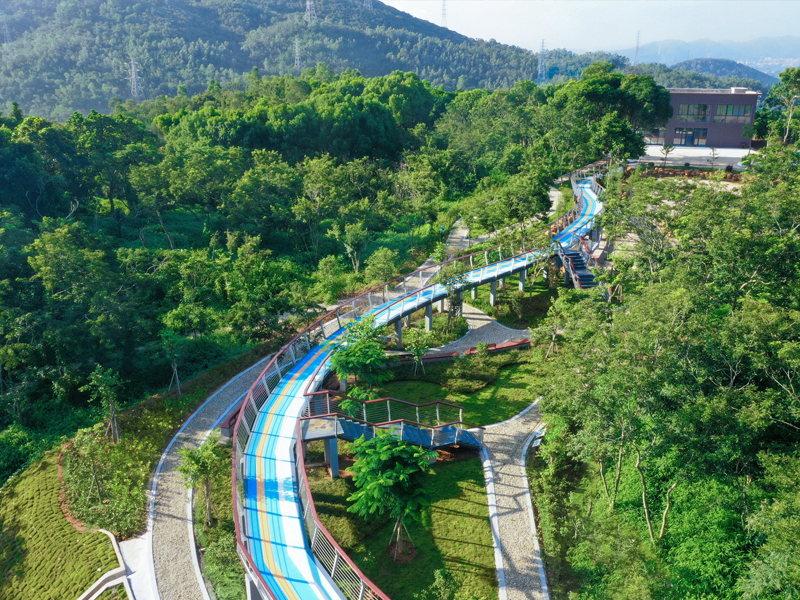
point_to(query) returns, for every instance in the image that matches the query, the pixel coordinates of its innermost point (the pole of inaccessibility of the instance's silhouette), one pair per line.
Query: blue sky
(609, 25)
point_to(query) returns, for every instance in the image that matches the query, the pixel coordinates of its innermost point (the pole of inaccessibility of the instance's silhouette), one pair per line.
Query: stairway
(585, 276)
(427, 437)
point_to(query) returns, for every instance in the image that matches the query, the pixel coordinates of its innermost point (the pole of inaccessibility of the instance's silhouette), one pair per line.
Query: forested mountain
(66, 56)
(721, 67)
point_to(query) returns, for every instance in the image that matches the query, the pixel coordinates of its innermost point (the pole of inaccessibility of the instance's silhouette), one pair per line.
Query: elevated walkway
(287, 552)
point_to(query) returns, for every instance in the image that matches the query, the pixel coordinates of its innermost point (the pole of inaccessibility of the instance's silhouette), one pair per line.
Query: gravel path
(521, 559)
(172, 544)
(482, 328)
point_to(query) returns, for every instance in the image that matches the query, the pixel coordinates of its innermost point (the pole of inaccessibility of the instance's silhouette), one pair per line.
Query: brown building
(714, 118)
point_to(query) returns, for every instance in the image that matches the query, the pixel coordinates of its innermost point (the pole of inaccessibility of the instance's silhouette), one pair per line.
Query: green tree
(389, 475)
(200, 466)
(104, 386)
(360, 354)
(382, 265)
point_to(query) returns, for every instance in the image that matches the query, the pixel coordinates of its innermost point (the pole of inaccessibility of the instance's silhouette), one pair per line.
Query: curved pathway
(173, 545)
(482, 328)
(522, 564)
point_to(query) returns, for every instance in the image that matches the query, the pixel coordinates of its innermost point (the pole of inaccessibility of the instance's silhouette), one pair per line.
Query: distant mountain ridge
(722, 67)
(768, 54)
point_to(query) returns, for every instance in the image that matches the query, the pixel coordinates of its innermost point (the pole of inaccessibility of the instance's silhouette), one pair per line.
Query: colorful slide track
(271, 524)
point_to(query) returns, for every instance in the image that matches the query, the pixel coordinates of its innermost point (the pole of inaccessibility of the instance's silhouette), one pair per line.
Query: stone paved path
(482, 328)
(521, 559)
(173, 545)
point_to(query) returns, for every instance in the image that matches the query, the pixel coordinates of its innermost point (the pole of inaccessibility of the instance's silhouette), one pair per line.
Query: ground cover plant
(454, 532)
(42, 556)
(114, 593)
(491, 388)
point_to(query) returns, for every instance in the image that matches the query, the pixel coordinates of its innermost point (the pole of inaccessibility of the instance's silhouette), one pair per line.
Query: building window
(654, 136)
(694, 113)
(732, 113)
(687, 136)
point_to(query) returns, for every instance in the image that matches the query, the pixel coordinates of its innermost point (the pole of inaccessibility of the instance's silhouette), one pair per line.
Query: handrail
(393, 421)
(586, 251)
(571, 268)
(301, 468)
(344, 395)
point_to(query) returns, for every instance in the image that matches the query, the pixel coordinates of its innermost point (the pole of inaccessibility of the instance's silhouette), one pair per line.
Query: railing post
(438, 419)
(418, 414)
(361, 591)
(335, 564)
(389, 409)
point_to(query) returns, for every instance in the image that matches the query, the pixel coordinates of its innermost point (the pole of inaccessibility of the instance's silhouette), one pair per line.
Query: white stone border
(488, 475)
(531, 516)
(151, 508)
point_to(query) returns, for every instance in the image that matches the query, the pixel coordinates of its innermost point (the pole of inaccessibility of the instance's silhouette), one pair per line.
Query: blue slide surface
(275, 527)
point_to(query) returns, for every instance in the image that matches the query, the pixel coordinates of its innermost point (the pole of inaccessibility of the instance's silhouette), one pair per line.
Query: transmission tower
(444, 14)
(297, 65)
(136, 84)
(311, 11)
(542, 76)
(6, 32)
(367, 4)
(636, 52)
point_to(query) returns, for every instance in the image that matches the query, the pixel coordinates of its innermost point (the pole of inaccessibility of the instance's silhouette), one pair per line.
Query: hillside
(67, 56)
(722, 67)
(677, 78)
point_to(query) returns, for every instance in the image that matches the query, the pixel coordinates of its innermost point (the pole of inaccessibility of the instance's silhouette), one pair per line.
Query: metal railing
(382, 410)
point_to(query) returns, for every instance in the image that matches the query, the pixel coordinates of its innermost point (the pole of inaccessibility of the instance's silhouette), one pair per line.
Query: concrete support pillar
(332, 456)
(408, 320)
(567, 278)
(474, 293)
(429, 317)
(492, 293)
(461, 295)
(441, 305)
(522, 275)
(398, 333)
(502, 283)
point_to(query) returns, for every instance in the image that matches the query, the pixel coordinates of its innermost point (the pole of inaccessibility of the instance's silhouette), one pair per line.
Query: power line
(311, 11)
(444, 14)
(542, 76)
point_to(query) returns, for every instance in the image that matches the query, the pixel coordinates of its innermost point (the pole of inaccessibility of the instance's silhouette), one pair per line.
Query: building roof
(733, 90)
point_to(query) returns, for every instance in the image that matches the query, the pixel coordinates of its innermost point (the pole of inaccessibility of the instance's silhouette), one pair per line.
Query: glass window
(694, 113)
(688, 136)
(732, 113)
(654, 136)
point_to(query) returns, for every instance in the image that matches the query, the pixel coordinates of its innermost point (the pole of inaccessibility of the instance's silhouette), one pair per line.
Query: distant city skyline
(609, 25)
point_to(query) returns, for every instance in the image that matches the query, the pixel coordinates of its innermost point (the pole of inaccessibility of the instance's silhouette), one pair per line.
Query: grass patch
(124, 468)
(438, 336)
(491, 389)
(115, 593)
(535, 303)
(455, 534)
(42, 556)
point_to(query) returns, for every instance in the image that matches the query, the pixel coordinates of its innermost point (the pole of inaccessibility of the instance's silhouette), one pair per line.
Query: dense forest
(159, 241)
(67, 56)
(672, 466)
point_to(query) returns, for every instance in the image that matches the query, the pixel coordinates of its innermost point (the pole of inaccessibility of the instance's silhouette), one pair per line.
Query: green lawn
(514, 388)
(456, 533)
(42, 557)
